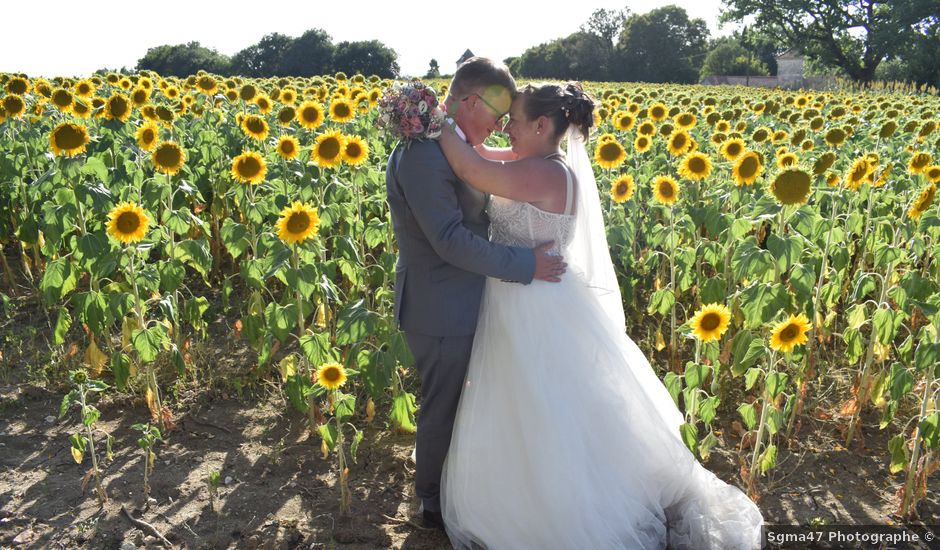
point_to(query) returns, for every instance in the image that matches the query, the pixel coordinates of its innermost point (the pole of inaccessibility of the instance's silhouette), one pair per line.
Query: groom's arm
(428, 185)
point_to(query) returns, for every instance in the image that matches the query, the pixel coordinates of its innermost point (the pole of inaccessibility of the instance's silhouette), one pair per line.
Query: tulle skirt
(565, 438)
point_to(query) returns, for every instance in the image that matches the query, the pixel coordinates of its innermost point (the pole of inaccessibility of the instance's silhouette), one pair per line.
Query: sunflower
(356, 151)
(932, 173)
(622, 188)
(888, 129)
(68, 139)
(310, 115)
(791, 186)
(657, 112)
(62, 99)
(168, 158)
(835, 137)
(642, 143)
(264, 103)
(885, 174)
(17, 86)
(790, 333)
(117, 107)
(747, 168)
(286, 115)
(14, 105)
(732, 149)
(685, 121)
(833, 179)
(140, 97)
(247, 92)
(127, 222)
(679, 142)
(288, 147)
(858, 173)
(665, 190)
(147, 136)
(605, 138)
(288, 96)
(695, 166)
(711, 322)
(623, 121)
(787, 160)
(646, 128)
(824, 163)
(923, 202)
(328, 149)
(249, 167)
(760, 135)
(341, 110)
(297, 222)
(609, 154)
(255, 126)
(207, 85)
(331, 376)
(80, 108)
(919, 162)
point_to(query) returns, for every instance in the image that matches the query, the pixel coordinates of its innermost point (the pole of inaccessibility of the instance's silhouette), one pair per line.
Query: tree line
(312, 53)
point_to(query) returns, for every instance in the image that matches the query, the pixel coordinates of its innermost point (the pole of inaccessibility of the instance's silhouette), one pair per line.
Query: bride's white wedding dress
(565, 438)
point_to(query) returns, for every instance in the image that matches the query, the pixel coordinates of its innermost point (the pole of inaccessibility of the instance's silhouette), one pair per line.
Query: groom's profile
(444, 258)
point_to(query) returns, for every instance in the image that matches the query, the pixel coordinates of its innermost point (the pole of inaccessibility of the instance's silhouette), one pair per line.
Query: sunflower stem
(907, 499)
(344, 497)
(7, 271)
(673, 241)
(752, 473)
(102, 496)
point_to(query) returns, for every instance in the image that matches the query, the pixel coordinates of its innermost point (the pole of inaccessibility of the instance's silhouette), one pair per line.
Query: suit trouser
(442, 363)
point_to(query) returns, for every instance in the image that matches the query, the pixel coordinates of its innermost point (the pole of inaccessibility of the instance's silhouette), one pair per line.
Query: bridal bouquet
(408, 112)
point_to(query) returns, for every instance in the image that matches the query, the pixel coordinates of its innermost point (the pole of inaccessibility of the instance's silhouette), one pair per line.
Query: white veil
(588, 254)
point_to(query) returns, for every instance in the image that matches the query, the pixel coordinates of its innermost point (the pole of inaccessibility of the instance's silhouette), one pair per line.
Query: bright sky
(59, 37)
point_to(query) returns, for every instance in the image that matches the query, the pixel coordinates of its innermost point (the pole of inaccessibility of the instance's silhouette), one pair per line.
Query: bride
(565, 438)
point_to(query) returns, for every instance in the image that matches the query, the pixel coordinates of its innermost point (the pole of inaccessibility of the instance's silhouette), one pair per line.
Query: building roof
(466, 55)
(791, 53)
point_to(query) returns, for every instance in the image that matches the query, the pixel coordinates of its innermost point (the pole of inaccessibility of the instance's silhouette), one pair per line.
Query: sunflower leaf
(748, 414)
(689, 435)
(899, 456)
(345, 407)
(768, 458)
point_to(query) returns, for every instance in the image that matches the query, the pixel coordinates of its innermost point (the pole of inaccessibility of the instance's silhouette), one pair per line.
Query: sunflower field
(777, 250)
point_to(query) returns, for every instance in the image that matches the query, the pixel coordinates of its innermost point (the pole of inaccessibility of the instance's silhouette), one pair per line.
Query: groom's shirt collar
(460, 132)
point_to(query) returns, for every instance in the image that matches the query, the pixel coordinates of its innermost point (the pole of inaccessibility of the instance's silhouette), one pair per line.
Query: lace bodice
(522, 224)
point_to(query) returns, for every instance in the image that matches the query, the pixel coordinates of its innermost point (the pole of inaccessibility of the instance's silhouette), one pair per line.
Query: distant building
(466, 55)
(789, 75)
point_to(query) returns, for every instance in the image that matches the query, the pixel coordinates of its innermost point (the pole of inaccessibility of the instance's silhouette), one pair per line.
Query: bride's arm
(526, 180)
(496, 153)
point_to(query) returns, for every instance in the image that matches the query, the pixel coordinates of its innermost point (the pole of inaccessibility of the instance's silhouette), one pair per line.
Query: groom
(444, 259)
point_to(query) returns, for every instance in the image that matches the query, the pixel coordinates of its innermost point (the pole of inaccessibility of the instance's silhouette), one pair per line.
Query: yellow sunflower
(609, 154)
(747, 168)
(297, 222)
(341, 110)
(288, 96)
(168, 158)
(605, 138)
(790, 333)
(835, 137)
(642, 144)
(62, 99)
(919, 162)
(787, 160)
(207, 84)
(128, 223)
(885, 174)
(68, 139)
(685, 120)
(80, 108)
(657, 112)
(255, 126)
(247, 92)
(147, 136)
(665, 190)
(264, 103)
(288, 147)
(710, 322)
(331, 376)
(732, 149)
(17, 85)
(791, 186)
(286, 115)
(858, 173)
(679, 142)
(140, 97)
(356, 151)
(117, 107)
(310, 115)
(823, 163)
(14, 105)
(923, 202)
(622, 188)
(623, 121)
(328, 149)
(833, 179)
(249, 167)
(932, 173)
(695, 166)
(646, 128)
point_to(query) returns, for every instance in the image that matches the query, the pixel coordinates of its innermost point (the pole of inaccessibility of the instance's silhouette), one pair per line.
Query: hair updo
(565, 105)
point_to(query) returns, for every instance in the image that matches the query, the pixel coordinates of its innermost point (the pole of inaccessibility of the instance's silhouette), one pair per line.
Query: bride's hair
(563, 104)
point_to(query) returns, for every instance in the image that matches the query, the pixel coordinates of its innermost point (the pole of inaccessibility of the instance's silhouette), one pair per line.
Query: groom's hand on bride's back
(548, 267)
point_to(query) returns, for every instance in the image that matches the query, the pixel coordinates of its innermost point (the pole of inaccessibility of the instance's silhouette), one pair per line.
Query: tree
(728, 57)
(309, 55)
(434, 70)
(183, 60)
(663, 45)
(366, 57)
(263, 58)
(606, 25)
(854, 35)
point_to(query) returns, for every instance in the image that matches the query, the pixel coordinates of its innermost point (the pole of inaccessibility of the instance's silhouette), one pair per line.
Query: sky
(65, 38)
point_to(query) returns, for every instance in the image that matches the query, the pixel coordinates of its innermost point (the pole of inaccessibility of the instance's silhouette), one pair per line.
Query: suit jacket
(444, 255)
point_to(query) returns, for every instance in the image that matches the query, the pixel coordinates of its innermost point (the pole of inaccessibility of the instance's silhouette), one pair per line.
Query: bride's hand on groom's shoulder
(548, 267)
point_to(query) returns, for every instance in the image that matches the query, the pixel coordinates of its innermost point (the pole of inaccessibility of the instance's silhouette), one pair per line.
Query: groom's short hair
(479, 73)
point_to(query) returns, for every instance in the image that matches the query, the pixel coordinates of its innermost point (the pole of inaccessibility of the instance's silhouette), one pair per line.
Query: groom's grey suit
(444, 259)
